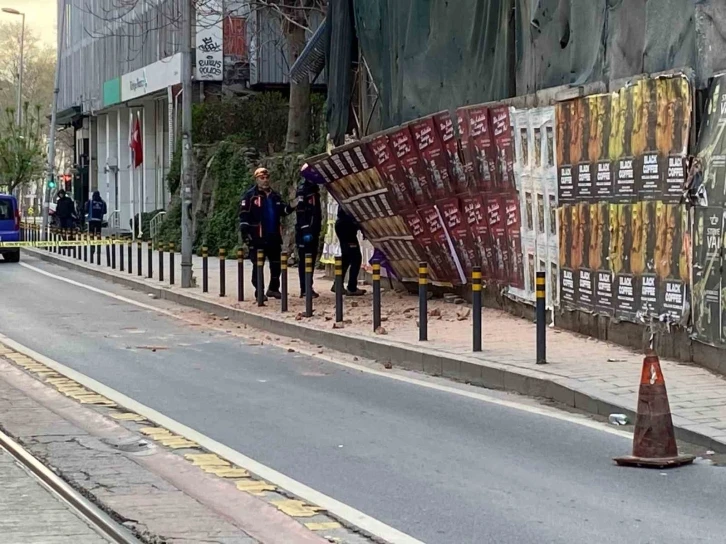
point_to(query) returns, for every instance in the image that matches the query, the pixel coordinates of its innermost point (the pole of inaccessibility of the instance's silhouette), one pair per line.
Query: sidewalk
(30, 514)
(588, 374)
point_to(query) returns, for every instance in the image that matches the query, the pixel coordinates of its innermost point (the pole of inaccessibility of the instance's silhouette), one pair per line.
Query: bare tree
(295, 21)
(39, 61)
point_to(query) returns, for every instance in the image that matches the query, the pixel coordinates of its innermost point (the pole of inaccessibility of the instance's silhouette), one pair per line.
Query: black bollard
(423, 312)
(171, 263)
(84, 242)
(99, 240)
(205, 269)
(113, 252)
(541, 320)
(376, 295)
(222, 272)
(240, 275)
(139, 257)
(150, 260)
(161, 262)
(283, 280)
(476, 303)
(338, 290)
(308, 285)
(121, 253)
(130, 255)
(260, 277)
(108, 252)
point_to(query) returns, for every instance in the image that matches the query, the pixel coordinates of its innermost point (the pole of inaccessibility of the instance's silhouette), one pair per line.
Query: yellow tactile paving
(296, 509)
(227, 472)
(254, 487)
(128, 416)
(323, 526)
(208, 462)
(206, 459)
(154, 432)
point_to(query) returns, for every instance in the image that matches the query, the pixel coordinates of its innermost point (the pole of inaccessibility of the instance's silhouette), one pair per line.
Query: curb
(461, 368)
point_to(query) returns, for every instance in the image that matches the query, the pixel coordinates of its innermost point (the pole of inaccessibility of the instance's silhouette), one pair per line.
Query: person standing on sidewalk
(65, 209)
(346, 228)
(96, 210)
(260, 212)
(309, 220)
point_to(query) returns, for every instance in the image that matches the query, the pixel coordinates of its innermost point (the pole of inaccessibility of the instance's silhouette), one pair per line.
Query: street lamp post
(19, 110)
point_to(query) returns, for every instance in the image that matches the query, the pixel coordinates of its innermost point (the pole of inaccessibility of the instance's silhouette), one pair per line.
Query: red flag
(135, 144)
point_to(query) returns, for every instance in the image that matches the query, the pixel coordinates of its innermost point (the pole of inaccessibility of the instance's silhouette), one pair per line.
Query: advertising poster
(535, 175)
(445, 127)
(501, 129)
(431, 150)
(446, 258)
(461, 235)
(709, 244)
(627, 234)
(515, 264)
(481, 148)
(498, 236)
(391, 172)
(475, 214)
(466, 148)
(414, 169)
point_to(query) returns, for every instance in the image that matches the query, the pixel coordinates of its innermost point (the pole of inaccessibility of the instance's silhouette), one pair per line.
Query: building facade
(121, 79)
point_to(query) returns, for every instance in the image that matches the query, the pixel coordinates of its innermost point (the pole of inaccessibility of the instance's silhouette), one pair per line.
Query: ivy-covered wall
(232, 137)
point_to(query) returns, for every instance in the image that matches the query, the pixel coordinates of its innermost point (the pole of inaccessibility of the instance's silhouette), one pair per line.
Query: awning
(312, 60)
(69, 115)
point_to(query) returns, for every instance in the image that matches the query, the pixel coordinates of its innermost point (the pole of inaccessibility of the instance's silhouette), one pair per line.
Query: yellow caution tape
(59, 243)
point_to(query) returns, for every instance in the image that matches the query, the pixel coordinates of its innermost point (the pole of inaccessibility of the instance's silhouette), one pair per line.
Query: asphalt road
(440, 467)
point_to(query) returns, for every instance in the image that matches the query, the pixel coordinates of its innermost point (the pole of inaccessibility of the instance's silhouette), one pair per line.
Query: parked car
(9, 227)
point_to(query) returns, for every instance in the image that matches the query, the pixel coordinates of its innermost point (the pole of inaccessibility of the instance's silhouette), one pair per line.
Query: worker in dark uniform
(346, 228)
(309, 219)
(260, 212)
(65, 211)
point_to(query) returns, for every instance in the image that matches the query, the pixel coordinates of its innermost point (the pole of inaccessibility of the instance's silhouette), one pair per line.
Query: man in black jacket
(65, 210)
(346, 228)
(260, 212)
(309, 219)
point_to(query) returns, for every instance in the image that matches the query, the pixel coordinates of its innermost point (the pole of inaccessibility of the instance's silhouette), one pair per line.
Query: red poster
(391, 172)
(483, 152)
(515, 271)
(445, 128)
(431, 150)
(475, 213)
(461, 236)
(447, 262)
(414, 169)
(466, 147)
(425, 244)
(498, 235)
(502, 131)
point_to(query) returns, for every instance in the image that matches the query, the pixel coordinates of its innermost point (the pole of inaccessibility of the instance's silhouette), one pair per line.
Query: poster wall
(708, 192)
(535, 175)
(623, 233)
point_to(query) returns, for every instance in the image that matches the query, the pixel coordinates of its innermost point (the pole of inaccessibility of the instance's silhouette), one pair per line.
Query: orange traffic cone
(654, 442)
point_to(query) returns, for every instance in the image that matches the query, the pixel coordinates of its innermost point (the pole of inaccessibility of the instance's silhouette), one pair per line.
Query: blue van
(9, 227)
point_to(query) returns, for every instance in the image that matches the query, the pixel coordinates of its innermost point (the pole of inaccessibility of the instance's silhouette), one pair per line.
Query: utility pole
(54, 118)
(187, 175)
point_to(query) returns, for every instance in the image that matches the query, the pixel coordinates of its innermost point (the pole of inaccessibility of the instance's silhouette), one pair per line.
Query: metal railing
(155, 224)
(114, 220)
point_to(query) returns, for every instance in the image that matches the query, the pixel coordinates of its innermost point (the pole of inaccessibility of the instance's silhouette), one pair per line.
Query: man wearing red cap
(260, 212)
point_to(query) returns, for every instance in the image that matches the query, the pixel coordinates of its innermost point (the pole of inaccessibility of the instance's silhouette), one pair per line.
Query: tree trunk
(298, 122)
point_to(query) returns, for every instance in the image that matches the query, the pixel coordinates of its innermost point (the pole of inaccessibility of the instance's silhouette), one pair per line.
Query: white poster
(535, 174)
(209, 42)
